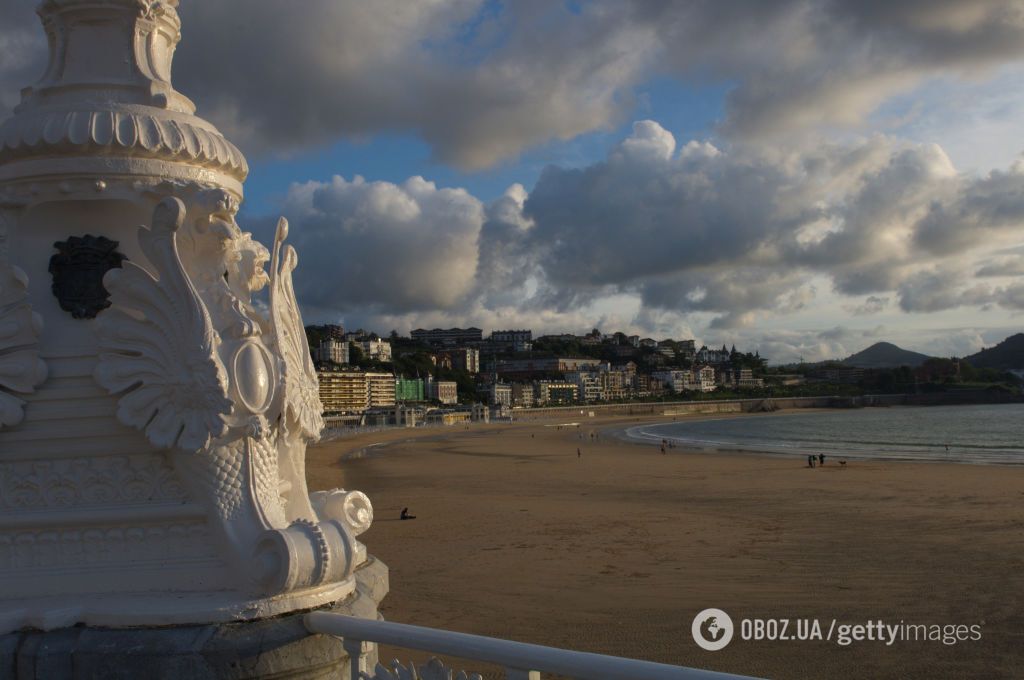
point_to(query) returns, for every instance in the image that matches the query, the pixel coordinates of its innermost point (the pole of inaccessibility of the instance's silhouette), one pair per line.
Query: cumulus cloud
(873, 304)
(1001, 266)
(728, 236)
(383, 246)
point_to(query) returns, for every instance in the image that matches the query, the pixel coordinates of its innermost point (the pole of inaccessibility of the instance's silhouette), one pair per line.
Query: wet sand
(616, 550)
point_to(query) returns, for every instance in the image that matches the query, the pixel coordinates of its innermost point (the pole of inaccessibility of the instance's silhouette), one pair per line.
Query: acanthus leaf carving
(301, 393)
(21, 369)
(161, 348)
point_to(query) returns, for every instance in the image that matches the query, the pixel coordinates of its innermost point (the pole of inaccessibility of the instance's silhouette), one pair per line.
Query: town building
(532, 367)
(713, 356)
(589, 385)
(844, 375)
(687, 349)
(512, 340)
(448, 336)
(464, 359)
(704, 377)
(331, 351)
(380, 389)
(678, 381)
(499, 394)
(523, 395)
(444, 391)
(409, 389)
(616, 384)
(376, 349)
(556, 392)
(343, 391)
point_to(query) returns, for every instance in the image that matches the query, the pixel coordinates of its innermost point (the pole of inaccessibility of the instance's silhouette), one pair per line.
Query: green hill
(1004, 356)
(885, 355)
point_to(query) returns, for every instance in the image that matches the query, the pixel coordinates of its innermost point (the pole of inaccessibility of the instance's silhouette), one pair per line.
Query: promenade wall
(762, 405)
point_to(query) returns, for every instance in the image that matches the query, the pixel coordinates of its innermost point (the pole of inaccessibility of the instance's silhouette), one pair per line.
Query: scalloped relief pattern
(21, 369)
(160, 135)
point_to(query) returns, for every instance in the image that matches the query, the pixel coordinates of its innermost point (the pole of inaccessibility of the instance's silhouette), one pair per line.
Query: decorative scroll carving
(432, 670)
(77, 270)
(351, 507)
(83, 482)
(21, 369)
(164, 356)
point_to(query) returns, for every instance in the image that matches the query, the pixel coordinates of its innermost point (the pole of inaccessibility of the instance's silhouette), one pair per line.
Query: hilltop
(1006, 355)
(885, 355)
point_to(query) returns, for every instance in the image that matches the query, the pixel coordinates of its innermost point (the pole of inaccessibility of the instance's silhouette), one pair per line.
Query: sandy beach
(616, 549)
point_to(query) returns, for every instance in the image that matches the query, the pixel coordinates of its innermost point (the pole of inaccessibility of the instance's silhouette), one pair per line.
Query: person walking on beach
(821, 459)
(810, 461)
(579, 454)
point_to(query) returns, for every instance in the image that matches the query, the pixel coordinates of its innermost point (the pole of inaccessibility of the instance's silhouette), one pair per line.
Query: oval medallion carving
(253, 376)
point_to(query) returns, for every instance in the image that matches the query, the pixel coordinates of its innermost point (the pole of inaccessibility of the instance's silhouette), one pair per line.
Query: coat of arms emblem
(78, 269)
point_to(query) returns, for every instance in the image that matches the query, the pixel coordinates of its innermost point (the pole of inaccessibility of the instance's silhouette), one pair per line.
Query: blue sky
(801, 177)
(691, 111)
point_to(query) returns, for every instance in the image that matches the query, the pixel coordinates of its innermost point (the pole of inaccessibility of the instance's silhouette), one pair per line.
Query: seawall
(673, 408)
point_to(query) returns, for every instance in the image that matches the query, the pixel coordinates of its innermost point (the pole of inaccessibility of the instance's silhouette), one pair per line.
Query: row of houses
(334, 351)
(344, 392)
(610, 383)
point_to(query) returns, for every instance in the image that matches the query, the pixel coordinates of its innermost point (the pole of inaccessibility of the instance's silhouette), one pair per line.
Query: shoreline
(614, 548)
(620, 428)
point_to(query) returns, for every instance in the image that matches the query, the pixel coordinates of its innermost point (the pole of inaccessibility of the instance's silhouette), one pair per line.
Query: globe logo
(712, 629)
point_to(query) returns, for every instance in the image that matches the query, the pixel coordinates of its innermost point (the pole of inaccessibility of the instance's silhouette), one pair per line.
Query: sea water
(968, 434)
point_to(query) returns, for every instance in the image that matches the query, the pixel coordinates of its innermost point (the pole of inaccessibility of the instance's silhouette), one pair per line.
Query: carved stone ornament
(157, 477)
(78, 269)
(21, 369)
(230, 390)
(162, 346)
(432, 670)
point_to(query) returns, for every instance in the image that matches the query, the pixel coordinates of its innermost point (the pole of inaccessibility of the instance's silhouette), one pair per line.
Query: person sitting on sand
(405, 514)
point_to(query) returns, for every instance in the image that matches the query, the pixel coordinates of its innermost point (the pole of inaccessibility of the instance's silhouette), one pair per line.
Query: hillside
(885, 355)
(1006, 355)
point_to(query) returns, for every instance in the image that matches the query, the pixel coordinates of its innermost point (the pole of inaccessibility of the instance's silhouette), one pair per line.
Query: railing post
(356, 657)
(520, 674)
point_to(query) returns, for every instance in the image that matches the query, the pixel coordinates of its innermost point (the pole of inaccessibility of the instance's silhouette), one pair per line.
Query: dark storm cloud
(481, 82)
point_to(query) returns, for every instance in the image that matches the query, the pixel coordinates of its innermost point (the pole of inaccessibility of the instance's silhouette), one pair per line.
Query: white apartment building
(704, 377)
(331, 351)
(378, 350)
(589, 384)
(677, 380)
(381, 389)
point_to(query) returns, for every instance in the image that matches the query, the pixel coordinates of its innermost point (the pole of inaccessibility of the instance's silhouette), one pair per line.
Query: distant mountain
(885, 355)
(1006, 355)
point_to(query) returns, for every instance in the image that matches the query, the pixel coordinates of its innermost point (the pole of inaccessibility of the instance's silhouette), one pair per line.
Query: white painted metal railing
(521, 661)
